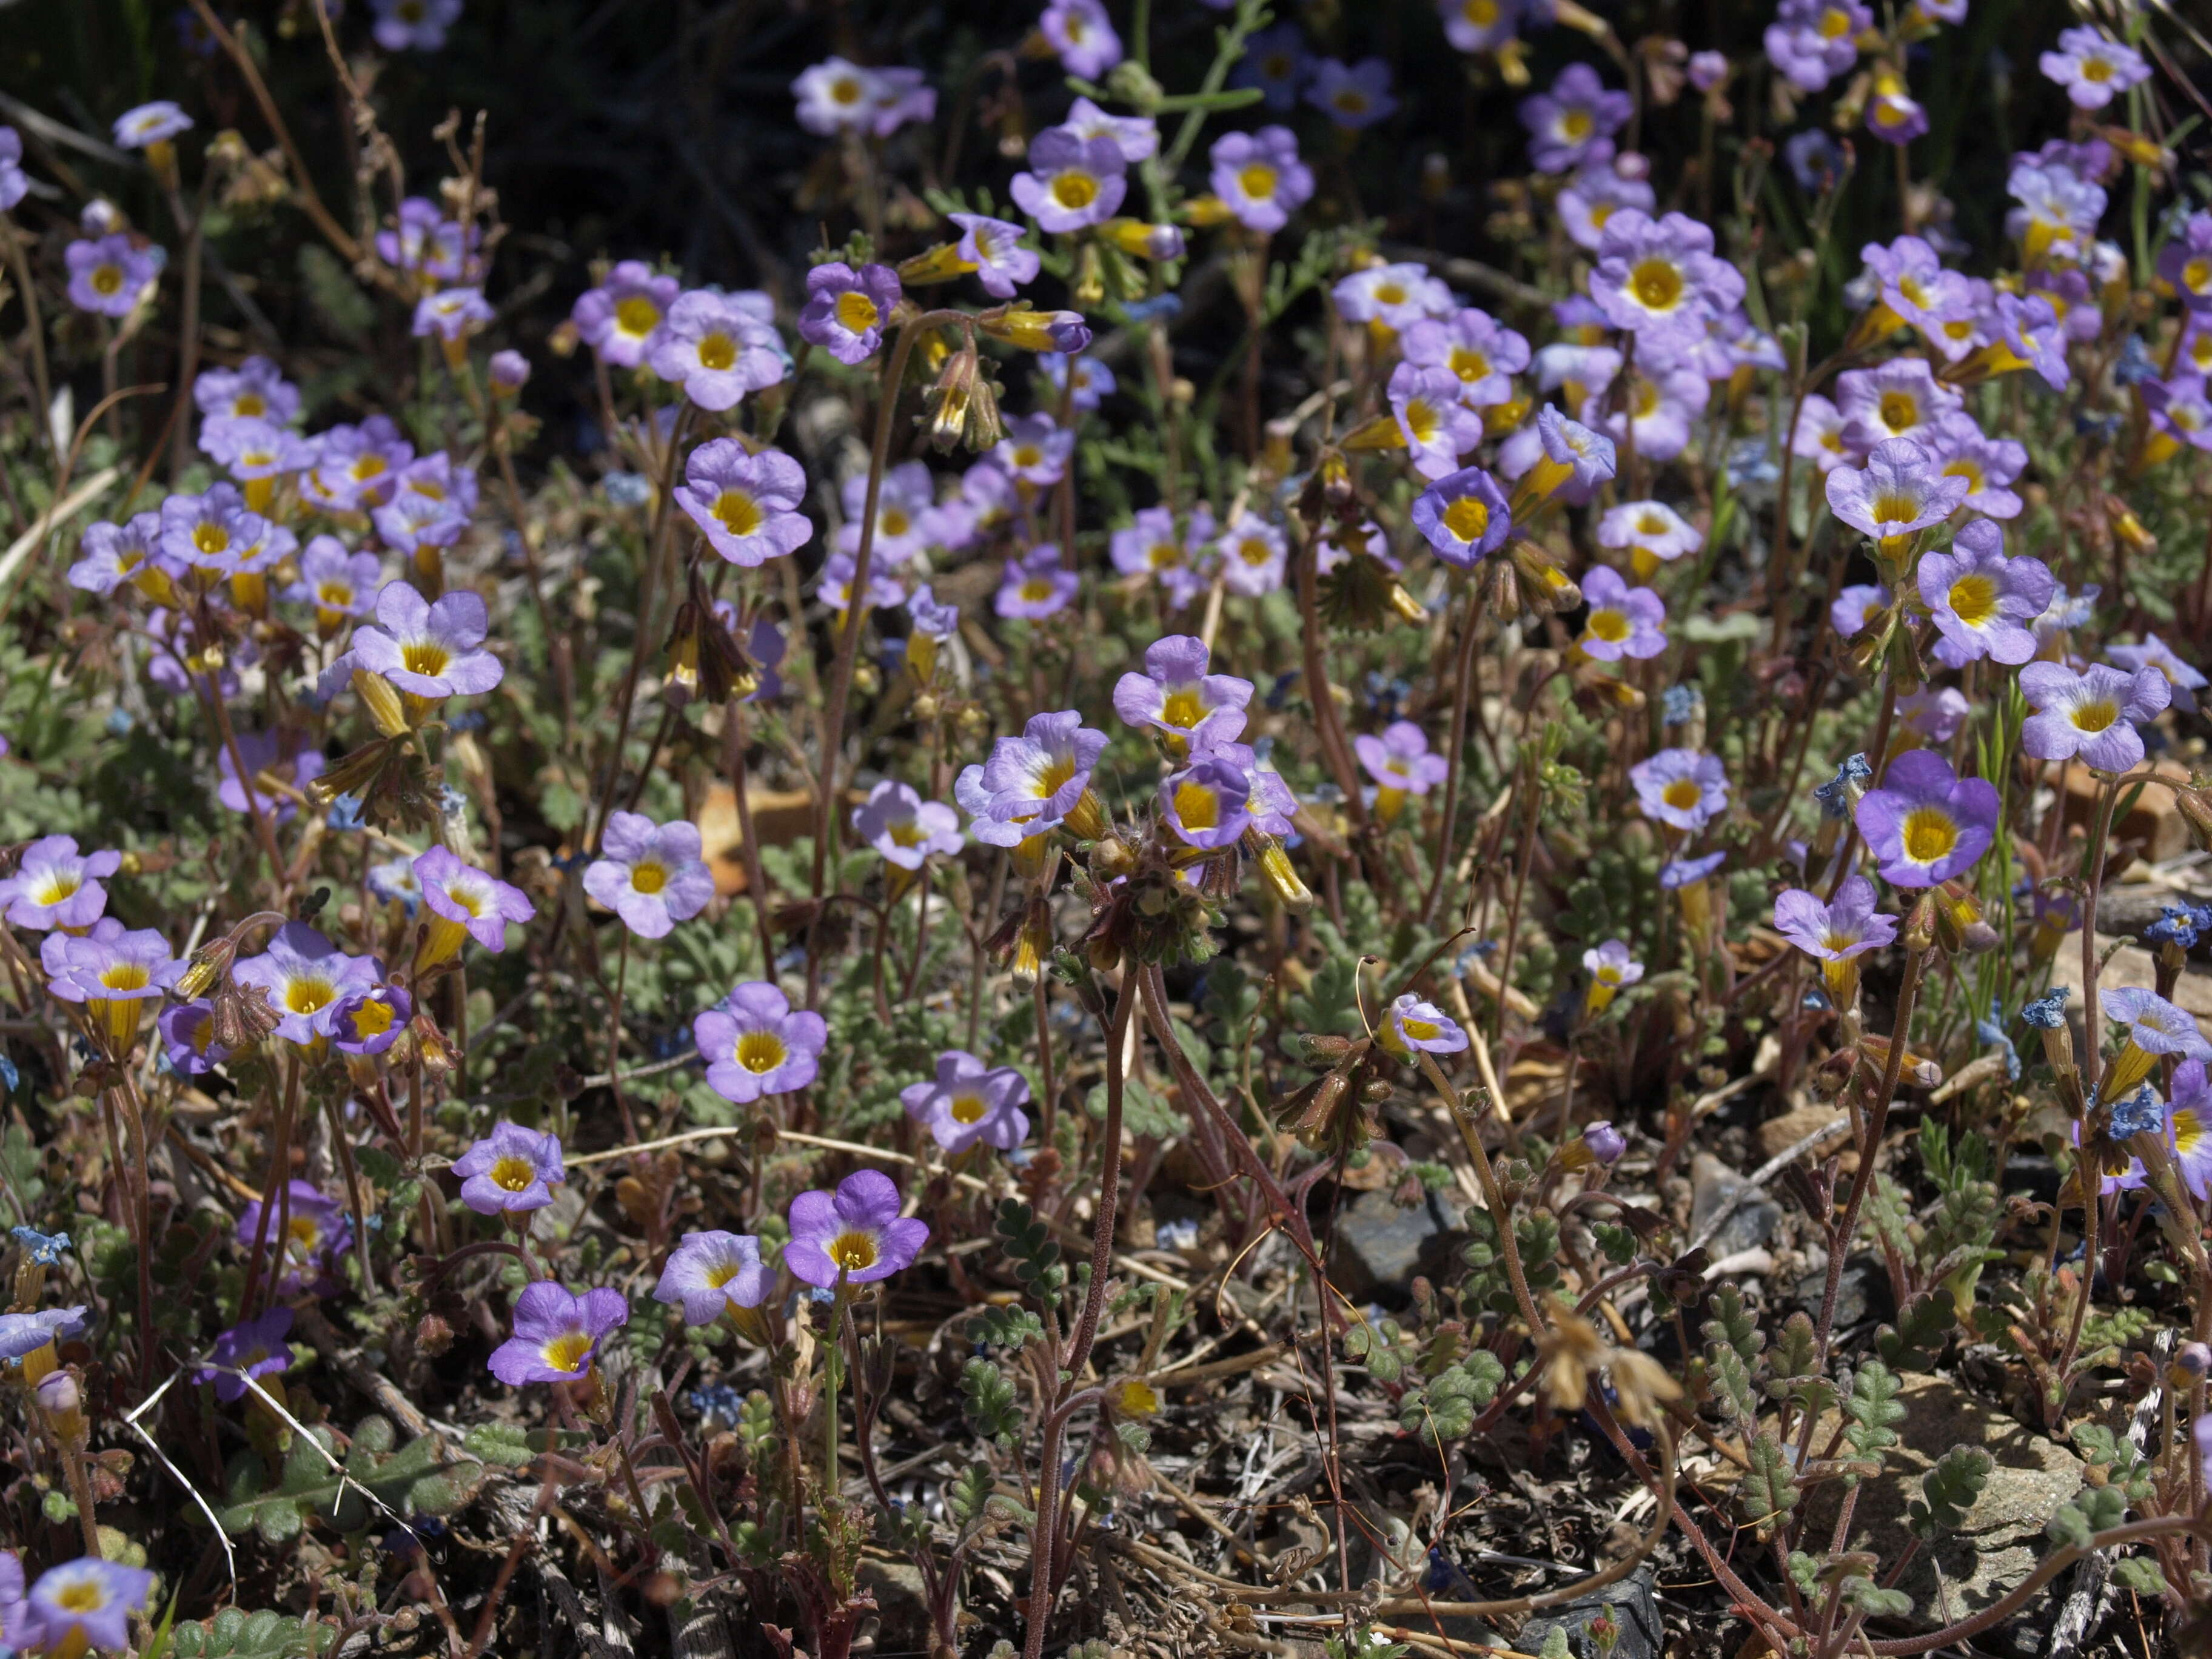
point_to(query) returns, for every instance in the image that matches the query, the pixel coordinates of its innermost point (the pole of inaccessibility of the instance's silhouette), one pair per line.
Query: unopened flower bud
(381, 699)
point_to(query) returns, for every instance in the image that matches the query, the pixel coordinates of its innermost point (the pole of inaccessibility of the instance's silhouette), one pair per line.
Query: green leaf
(1770, 1485)
(2140, 1574)
(1734, 1325)
(989, 1400)
(2093, 1510)
(1918, 1337)
(1032, 1249)
(1950, 1489)
(968, 1492)
(235, 1634)
(1449, 1400)
(1004, 1327)
(503, 1445)
(417, 1479)
(1872, 1408)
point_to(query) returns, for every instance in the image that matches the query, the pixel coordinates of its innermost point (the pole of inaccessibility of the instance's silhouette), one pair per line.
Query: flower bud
(381, 699)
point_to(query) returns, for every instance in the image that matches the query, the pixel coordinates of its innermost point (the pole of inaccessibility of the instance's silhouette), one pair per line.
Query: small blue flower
(469, 719)
(1680, 704)
(10, 1075)
(345, 813)
(119, 721)
(1160, 304)
(628, 489)
(1749, 464)
(2047, 1012)
(1841, 792)
(45, 1249)
(2140, 1114)
(1992, 1032)
(2135, 365)
(2176, 925)
(718, 1402)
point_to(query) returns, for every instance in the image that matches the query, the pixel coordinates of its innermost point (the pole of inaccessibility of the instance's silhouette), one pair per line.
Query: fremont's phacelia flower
(1982, 601)
(1464, 516)
(845, 309)
(1480, 351)
(211, 532)
(114, 971)
(1594, 195)
(907, 521)
(114, 554)
(1253, 555)
(1612, 969)
(57, 886)
(253, 1347)
(1651, 528)
(1437, 428)
(286, 757)
(837, 96)
(1276, 62)
(2092, 68)
(22, 1334)
(2091, 715)
(305, 977)
(557, 1333)
(429, 650)
(904, 827)
(1681, 788)
(1400, 762)
(1083, 35)
(1679, 873)
(1898, 492)
(1574, 121)
(1395, 296)
(1892, 114)
(14, 186)
(994, 248)
(358, 467)
(617, 317)
(150, 124)
(452, 313)
(1576, 460)
(755, 1044)
(716, 347)
(314, 1229)
(1033, 782)
(413, 25)
(1606, 1143)
(1151, 546)
(835, 585)
(650, 875)
(968, 1101)
(2154, 653)
(1176, 694)
(746, 505)
(1658, 277)
(1036, 586)
(339, 584)
(1819, 436)
(2156, 1028)
(856, 1235)
(1935, 713)
(1352, 95)
(188, 1042)
(1071, 183)
(1474, 26)
(1412, 1026)
(1837, 932)
(1901, 399)
(2185, 261)
(711, 1272)
(1204, 804)
(1959, 450)
(1260, 177)
(1623, 621)
(1814, 41)
(1036, 449)
(85, 1603)
(1926, 823)
(511, 1169)
(370, 1021)
(464, 903)
(1137, 137)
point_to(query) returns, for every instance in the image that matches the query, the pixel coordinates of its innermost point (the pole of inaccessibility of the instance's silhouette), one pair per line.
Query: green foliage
(1489, 1286)
(2095, 1509)
(2140, 1574)
(1004, 1327)
(416, 1480)
(967, 1492)
(1143, 1114)
(232, 1634)
(1949, 1490)
(1032, 1251)
(1378, 1346)
(1329, 1004)
(1872, 1408)
(989, 1400)
(1923, 1323)
(1449, 1401)
(2113, 1460)
(1769, 1491)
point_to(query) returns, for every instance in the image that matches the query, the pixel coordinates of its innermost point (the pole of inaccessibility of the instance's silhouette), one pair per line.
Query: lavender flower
(1177, 696)
(1836, 932)
(1253, 555)
(650, 875)
(1083, 35)
(1654, 533)
(413, 25)
(904, 827)
(1658, 278)
(453, 314)
(511, 1170)
(358, 467)
(1596, 192)
(969, 1101)
(1681, 788)
(1034, 782)
(1072, 183)
(2156, 1029)
(1400, 762)
(906, 519)
(1036, 586)
(1612, 969)
(305, 977)
(1892, 114)
(837, 96)
(1260, 177)
(367, 1022)
(1902, 398)
(1814, 41)
(1464, 516)
(618, 319)
(57, 886)
(1204, 804)
(150, 124)
(1474, 26)
(1151, 546)
(1983, 601)
(1411, 1026)
(85, 1603)
(1481, 352)
(429, 651)
(755, 1044)
(22, 1334)
(315, 1229)
(14, 187)
(187, 1031)
(1392, 296)
(845, 309)
(1435, 425)
(464, 903)
(1623, 621)
(1936, 713)
(1035, 450)
(994, 247)
(557, 1333)
(1353, 96)
(1898, 492)
(710, 1274)
(2154, 653)
(2092, 68)
(2091, 715)
(747, 505)
(2185, 261)
(854, 1235)
(1574, 121)
(1275, 61)
(1926, 823)
(1137, 137)
(1959, 450)
(114, 971)
(716, 347)
(251, 1348)
(1606, 1143)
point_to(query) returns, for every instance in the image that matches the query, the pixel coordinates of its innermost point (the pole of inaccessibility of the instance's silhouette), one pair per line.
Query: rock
(2002, 1540)
(1778, 1134)
(1380, 1247)
(1861, 1294)
(780, 816)
(2129, 966)
(1752, 1223)
(2155, 825)
(1633, 1605)
(901, 1619)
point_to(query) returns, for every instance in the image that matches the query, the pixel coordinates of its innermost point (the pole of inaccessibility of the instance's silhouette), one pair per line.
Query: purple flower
(413, 25)
(1481, 352)
(2154, 653)
(1474, 26)
(2092, 68)
(2033, 334)
(1033, 782)
(650, 875)
(424, 244)
(1936, 713)
(969, 1101)
(1660, 412)
(1437, 427)
(210, 532)
(114, 971)
(1400, 760)
(1605, 1142)
(1574, 460)
(618, 319)
(252, 448)
(1658, 277)
(904, 827)
(1926, 824)
(1681, 788)
(2179, 409)
(2189, 1126)
(1897, 493)
(1623, 621)
(1275, 62)
(253, 1348)
(14, 187)
(835, 585)
(1204, 804)
(315, 1229)
(266, 751)
(746, 505)
(22, 1334)
(2155, 1025)
(452, 314)
(994, 248)
(755, 1044)
(1153, 547)
(2186, 262)
(1176, 694)
(1814, 41)
(305, 977)
(509, 370)
(150, 124)
(2091, 715)
(429, 651)
(188, 1042)
(1678, 873)
(836, 96)
(1083, 35)
(56, 886)
(1893, 115)
(556, 1333)
(1835, 932)
(845, 309)
(464, 903)
(1253, 555)
(716, 347)
(1395, 296)
(854, 1235)
(1036, 586)
(1901, 399)
(115, 554)
(1819, 437)
(1137, 137)
(340, 585)
(1959, 450)
(358, 467)
(370, 1021)
(1612, 969)
(1983, 601)
(1575, 121)
(711, 1274)
(85, 1603)
(1260, 177)
(1597, 193)
(1036, 449)
(511, 1169)
(1071, 182)
(1650, 528)
(1352, 95)
(1411, 1026)
(1464, 516)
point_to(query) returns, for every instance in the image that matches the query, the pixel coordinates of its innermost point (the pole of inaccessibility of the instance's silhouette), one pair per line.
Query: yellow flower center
(1576, 124)
(2197, 276)
(1180, 708)
(367, 467)
(1896, 508)
(1900, 410)
(718, 352)
(968, 1109)
(1835, 23)
(1467, 519)
(59, 885)
(211, 538)
(1257, 180)
(1352, 101)
(125, 976)
(1074, 191)
(1197, 805)
(306, 996)
(106, 279)
(852, 1250)
(1469, 364)
(1610, 626)
(1036, 590)
(513, 1174)
(1929, 833)
(844, 89)
(856, 312)
(1254, 552)
(1974, 599)
(1656, 284)
(566, 1352)
(84, 1596)
(1422, 421)
(1682, 794)
(1388, 294)
(760, 1052)
(636, 316)
(1027, 455)
(425, 657)
(1965, 467)
(2096, 69)
(372, 1018)
(248, 403)
(739, 513)
(647, 876)
(1480, 13)
(1164, 556)
(2095, 716)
